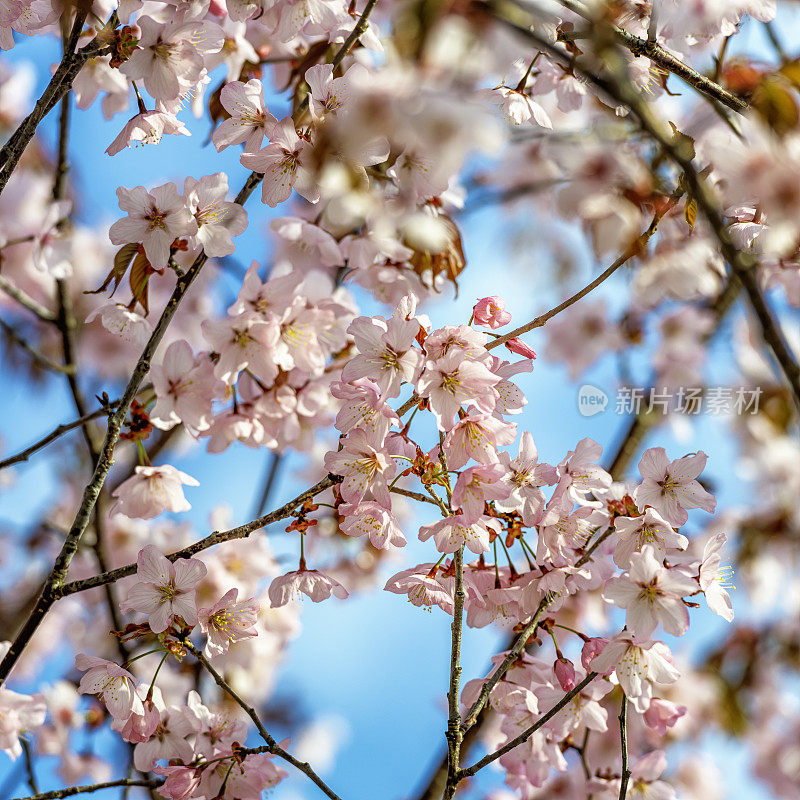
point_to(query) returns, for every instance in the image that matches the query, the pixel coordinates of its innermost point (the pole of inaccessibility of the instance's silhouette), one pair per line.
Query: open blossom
(329, 94)
(476, 486)
(477, 437)
(650, 528)
(147, 127)
(373, 520)
(243, 342)
(363, 407)
(168, 740)
(712, 578)
(424, 587)
(386, 352)
(490, 311)
(155, 219)
(363, 467)
(452, 532)
(227, 622)
(184, 387)
(454, 381)
(310, 582)
(671, 487)
(249, 120)
(129, 325)
(637, 665)
(282, 164)
(524, 477)
(244, 780)
(580, 476)
(217, 219)
(652, 594)
(19, 713)
(151, 491)
(164, 589)
(181, 782)
(583, 710)
(52, 247)
(115, 685)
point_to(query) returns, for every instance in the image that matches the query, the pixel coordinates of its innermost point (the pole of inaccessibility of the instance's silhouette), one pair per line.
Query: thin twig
(272, 746)
(217, 537)
(40, 358)
(26, 301)
(454, 730)
(623, 738)
(511, 657)
(57, 432)
(71, 791)
(31, 773)
(517, 740)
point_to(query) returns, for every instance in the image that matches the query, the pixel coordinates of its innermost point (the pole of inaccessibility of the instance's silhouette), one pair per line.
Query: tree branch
(58, 431)
(454, 730)
(272, 746)
(623, 737)
(40, 358)
(71, 791)
(517, 740)
(217, 537)
(26, 301)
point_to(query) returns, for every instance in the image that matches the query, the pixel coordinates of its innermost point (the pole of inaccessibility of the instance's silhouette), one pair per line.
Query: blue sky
(375, 660)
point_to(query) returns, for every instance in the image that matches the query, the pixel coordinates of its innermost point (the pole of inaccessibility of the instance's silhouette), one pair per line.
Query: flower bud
(516, 345)
(592, 648)
(565, 673)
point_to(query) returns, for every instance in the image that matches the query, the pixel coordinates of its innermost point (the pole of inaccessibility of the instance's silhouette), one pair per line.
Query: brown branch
(743, 265)
(71, 791)
(26, 301)
(39, 358)
(217, 537)
(623, 737)
(272, 746)
(649, 48)
(454, 731)
(517, 740)
(60, 430)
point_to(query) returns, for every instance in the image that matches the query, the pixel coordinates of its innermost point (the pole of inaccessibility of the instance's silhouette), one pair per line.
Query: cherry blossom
(19, 713)
(476, 486)
(310, 582)
(155, 218)
(671, 487)
(165, 589)
(227, 622)
(648, 529)
(115, 685)
(712, 578)
(651, 594)
(490, 311)
(151, 491)
(249, 120)
(364, 468)
(373, 520)
(451, 533)
(217, 220)
(147, 127)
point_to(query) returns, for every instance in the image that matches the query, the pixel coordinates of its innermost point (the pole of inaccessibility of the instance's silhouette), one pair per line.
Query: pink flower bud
(180, 783)
(662, 715)
(565, 673)
(140, 727)
(592, 648)
(519, 347)
(490, 311)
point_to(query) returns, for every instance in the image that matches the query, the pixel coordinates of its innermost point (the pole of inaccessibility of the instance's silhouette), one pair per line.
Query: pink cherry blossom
(243, 342)
(650, 528)
(227, 622)
(249, 119)
(152, 490)
(638, 666)
(282, 162)
(524, 477)
(168, 740)
(155, 219)
(364, 407)
(147, 127)
(364, 468)
(217, 220)
(454, 381)
(490, 311)
(662, 715)
(115, 685)
(310, 582)
(386, 352)
(373, 520)
(477, 437)
(19, 713)
(185, 387)
(164, 589)
(671, 487)
(516, 345)
(181, 782)
(651, 594)
(451, 533)
(423, 586)
(476, 486)
(713, 577)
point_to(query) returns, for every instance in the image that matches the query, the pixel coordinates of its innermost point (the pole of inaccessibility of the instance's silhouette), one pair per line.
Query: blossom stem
(623, 737)
(272, 746)
(455, 733)
(71, 791)
(155, 675)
